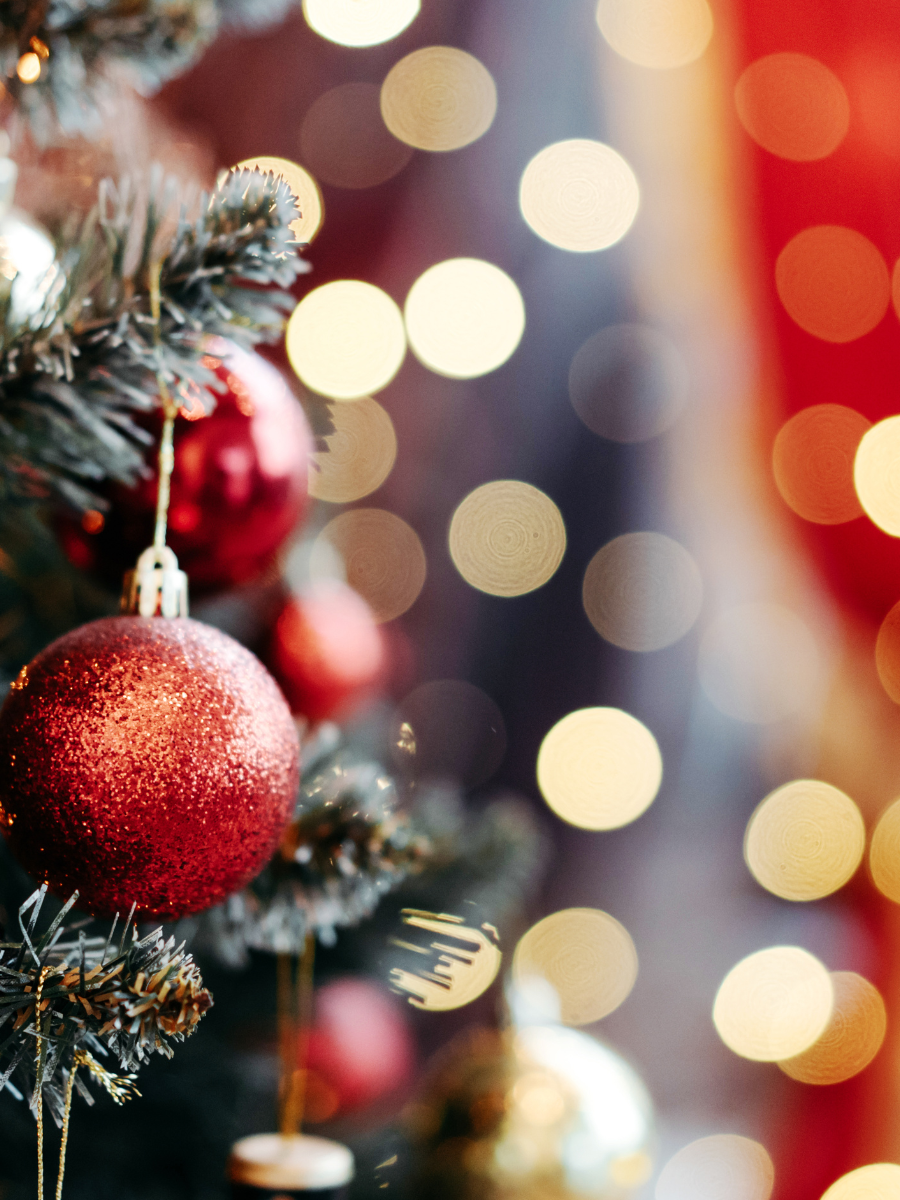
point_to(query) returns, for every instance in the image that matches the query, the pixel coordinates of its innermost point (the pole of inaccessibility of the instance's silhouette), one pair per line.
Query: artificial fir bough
(74, 375)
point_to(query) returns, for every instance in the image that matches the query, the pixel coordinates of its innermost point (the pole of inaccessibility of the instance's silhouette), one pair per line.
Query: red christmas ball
(239, 486)
(148, 761)
(327, 652)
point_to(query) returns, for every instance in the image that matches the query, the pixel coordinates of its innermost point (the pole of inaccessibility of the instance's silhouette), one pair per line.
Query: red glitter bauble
(327, 652)
(239, 486)
(147, 761)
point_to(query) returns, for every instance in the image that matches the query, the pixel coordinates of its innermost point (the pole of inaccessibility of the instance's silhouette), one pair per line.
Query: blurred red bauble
(327, 652)
(360, 1047)
(239, 487)
(146, 760)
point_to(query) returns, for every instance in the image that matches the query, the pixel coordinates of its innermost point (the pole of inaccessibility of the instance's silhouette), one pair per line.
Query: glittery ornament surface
(146, 760)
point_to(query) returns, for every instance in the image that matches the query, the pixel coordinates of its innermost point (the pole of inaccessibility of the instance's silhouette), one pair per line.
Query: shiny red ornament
(239, 487)
(327, 652)
(146, 760)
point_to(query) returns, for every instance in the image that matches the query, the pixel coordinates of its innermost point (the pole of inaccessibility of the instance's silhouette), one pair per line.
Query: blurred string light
(464, 317)
(507, 538)
(812, 461)
(793, 106)
(599, 768)
(438, 98)
(346, 339)
(628, 383)
(887, 653)
(586, 956)
(852, 1038)
(722, 1167)
(383, 558)
(876, 474)
(884, 853)
(774, 1004)
(360, 22)
(344, 140)
(878, 1181)
(805, 840)
(450, 975)
(834, 282)
(759, 663)
(28, 68)
(305, 189)
(656, 33)
(360, 453)
(579, 195)
(449, 729)
(642, 591)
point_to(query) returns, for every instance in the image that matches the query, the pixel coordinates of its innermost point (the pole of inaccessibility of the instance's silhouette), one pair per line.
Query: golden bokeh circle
(464, 317)
(722, 1167)
(774, 1004)
(812, 461)
(579, 195)
(642, 591)
(660, 34)
(360, 22)
(759, 663)
(438, 98)
(805, 840)
(507, 538)
(346, 339)
(361, 453)
(887, 653)
(345, 142)
(852, 1038)
(382, 556)
(877, 1181)
(599, 768)
(586, 956)
(793, 106)
(305, 189)
(884, 853)
(833, 282)
(876, 474)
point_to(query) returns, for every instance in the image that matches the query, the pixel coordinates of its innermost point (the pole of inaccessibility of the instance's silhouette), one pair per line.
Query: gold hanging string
(170, 410)
(295, 1005)
(39, 1099)
(70, 1087)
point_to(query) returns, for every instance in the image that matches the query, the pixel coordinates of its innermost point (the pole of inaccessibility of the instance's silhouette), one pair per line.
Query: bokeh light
(877, 1181)
(793, 106)
(628, 383)
(464, 317)
(28, 68)
(884, 853)
(805, 840)
(579, 195)
(382, 556)
(852, 1038)
(346, 339)
(722, 1167)
(438, 98)
(759, 663)
(599, 768)
(661, 34)
(887, 653)
(360, 22)
(449, 729)
(361, 452)
(876, 474)
(345, 142)
(774, 1004)
(586, 956)
(305, 189)
(833, 282)
(450, 976)
(642, 591)
(507, 538)
(812, 460)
